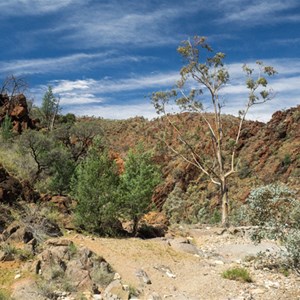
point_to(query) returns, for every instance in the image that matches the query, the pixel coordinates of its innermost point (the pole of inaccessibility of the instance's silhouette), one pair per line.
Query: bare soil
(188, 264)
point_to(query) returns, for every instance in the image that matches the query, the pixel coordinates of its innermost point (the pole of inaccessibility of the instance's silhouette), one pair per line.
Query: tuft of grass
(239, 274)
(9, 249)
(72, 249)
(4, 295)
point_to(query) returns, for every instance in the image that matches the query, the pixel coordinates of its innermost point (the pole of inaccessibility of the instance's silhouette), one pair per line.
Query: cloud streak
(95, 97)
(66, 63)
(32, 7)
(256, 12)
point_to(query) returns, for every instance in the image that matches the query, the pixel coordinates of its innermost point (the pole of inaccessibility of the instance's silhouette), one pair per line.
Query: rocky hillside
(267, 152)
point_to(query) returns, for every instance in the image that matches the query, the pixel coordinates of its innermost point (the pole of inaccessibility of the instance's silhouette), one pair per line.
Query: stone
(258, 291)
(219, 262)
(183, 245)
(117, 276)
(272, 284)
(143, 275)
(154, 296)
(115, 291)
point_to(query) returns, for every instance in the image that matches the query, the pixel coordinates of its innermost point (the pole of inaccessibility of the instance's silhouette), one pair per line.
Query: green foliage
(72, 249)
(67, 119)
(49, 108)
(244, 170)
(276, 212)
(6, 128)
(78, 137)
(102, 276)
(191, 206)
(239, 274)
(53, 162)
(61, 169)
(286, 160)
(11, 251)
(94, 186)
(137, 184)
(4, 295)
(39, 146)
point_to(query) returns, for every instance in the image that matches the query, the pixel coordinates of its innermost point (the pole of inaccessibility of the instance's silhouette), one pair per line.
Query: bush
(137, 184)
(94, 186)
(190, 207)
(239, 274)
(6, 128)
(276, 213)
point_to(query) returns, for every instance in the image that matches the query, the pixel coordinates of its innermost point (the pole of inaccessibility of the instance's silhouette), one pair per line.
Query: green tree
(137, 184)
(53, 161)
(39, 146)
(6, 128)
(49, 108)
(94, 187)
(205, 70)
(78, 137)
(61, 170)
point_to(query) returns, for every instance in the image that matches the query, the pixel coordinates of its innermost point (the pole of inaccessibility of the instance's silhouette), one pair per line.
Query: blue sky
(104, 58)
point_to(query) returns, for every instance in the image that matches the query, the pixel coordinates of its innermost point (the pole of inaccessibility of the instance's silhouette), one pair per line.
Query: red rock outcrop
(17, 109)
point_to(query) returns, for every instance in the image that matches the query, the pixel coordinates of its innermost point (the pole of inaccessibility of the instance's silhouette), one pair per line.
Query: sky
(105, 58)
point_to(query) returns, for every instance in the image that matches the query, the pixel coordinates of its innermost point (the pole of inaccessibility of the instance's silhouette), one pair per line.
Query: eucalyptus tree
(205, 71)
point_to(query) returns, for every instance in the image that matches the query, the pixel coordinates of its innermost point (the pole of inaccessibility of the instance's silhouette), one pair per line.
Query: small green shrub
(9, 249)
(102, 277)
(191, 206)
(216, 217)
(133, 292)
(57, 273)
(47, 289)
(276, 213)
(239, 274)
(4, 295)
(72, 249)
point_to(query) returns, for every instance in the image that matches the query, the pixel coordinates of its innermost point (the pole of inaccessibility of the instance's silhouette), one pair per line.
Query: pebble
(258, 291)
(272, 284)
(219, 262)
(117, 276)
(17, 276)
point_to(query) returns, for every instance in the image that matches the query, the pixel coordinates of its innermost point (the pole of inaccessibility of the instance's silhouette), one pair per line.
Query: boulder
(16, 107)
(62, 261)
(12, 190)
(18, 112)
(115, 290)
(10, 187)
(5, 218)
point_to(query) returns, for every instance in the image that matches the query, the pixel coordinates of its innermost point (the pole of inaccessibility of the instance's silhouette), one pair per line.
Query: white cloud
(95, 97)
(116, 111)
(105, 86)
(65, 63)
(32, 7)
(256, 12)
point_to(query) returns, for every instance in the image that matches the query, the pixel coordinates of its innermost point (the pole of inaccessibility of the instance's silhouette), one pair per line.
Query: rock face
(12, 190)
(16, 107)
(62, 262)
(10, 187)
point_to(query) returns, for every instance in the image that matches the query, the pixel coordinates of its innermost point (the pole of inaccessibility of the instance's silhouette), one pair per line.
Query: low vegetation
(239, 274)
(275, 212)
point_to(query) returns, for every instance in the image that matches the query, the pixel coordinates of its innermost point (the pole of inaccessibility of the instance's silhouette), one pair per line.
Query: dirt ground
(188, 265)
